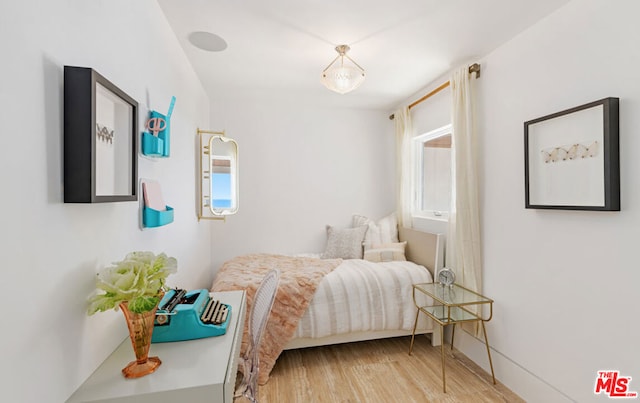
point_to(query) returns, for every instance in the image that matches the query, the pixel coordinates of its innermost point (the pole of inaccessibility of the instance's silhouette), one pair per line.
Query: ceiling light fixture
(341, 77)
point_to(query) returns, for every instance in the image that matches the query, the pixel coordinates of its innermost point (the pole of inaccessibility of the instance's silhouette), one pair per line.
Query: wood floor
(379, 371)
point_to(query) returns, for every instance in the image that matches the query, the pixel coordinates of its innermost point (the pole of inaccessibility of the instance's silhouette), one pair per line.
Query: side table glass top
(454, 295)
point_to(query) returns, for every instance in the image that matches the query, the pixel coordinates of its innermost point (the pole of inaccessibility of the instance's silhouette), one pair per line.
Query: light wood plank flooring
(379, 371)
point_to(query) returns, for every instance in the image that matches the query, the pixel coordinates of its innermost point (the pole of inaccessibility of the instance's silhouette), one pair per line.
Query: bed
(329, 301)
(316, 327)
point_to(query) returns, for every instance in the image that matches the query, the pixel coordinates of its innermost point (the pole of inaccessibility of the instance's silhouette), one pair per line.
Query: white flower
(139, 279)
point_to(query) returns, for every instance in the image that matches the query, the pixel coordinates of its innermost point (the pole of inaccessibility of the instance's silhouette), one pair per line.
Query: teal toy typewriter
(187, 315)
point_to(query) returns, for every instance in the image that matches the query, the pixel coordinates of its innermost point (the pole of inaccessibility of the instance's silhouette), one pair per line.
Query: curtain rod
(474, 68)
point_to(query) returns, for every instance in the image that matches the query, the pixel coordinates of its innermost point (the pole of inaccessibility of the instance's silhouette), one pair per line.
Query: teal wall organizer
(155, 213)
(157, 141)
(156, 218)
(152, 146)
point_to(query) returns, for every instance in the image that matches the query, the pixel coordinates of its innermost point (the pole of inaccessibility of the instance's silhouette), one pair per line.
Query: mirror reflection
(223, 168)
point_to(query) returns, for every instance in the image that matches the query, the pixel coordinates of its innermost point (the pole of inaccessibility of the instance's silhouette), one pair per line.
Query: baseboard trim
(508, 372)
(359, 336)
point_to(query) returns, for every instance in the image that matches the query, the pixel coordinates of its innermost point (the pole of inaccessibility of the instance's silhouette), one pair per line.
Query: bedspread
(361, 296)
(299, 278)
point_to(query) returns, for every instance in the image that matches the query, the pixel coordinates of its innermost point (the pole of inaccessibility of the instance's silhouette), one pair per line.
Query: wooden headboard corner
(424, 248)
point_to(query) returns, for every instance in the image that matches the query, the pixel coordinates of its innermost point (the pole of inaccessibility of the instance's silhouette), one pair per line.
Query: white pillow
(344, 243)
(382, 232)
(388, 252)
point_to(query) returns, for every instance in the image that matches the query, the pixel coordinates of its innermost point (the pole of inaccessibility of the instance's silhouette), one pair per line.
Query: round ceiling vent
(207, 41)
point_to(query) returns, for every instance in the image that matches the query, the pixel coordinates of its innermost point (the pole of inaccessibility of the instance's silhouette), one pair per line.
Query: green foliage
(143, 304)
(139, 279)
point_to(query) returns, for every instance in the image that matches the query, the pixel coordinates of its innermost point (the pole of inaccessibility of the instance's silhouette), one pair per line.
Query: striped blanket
(362, 296)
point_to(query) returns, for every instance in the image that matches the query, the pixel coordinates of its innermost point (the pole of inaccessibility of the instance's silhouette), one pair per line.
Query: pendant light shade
(342, 75)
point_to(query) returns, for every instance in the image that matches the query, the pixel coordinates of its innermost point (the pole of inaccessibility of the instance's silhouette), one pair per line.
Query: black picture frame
(572, 158)
(100, 139)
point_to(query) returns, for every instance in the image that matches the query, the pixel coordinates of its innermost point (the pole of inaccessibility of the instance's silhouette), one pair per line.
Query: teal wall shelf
(156, 142)
(165, 133)
(152, 146)
(155, 218)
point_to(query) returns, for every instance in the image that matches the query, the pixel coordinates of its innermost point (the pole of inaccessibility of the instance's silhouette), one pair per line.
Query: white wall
(565, 282)
(51, 250)
(302, 166)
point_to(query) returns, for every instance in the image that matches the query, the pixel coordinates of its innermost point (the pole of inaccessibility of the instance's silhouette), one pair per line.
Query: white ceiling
(278, 48)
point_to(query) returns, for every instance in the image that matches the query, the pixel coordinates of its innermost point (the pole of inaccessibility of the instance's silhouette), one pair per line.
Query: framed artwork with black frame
(100, 135)
(572, 158)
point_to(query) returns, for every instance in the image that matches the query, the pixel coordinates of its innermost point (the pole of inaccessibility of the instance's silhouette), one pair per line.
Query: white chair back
(258, 317)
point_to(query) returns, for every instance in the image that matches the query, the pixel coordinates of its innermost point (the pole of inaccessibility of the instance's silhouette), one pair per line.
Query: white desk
(193, 371)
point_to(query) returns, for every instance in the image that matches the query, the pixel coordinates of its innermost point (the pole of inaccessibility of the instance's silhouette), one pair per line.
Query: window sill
(444, 217)
(436, 225)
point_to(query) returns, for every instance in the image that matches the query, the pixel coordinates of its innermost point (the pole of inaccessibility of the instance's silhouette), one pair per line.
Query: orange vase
(140, 331)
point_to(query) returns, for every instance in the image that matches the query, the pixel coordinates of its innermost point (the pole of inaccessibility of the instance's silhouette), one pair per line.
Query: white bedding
(362, 296)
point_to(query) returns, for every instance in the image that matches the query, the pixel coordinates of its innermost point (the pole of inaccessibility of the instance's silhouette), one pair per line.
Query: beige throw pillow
(382, 232)
(344, 243)
(386, 252)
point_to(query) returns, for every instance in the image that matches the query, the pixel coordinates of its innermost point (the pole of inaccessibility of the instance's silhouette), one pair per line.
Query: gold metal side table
(450, 305)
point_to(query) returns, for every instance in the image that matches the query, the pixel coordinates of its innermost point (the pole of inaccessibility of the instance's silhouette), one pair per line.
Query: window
(432, 180)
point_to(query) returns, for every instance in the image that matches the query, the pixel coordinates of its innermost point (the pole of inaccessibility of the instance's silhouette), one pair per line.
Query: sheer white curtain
(463, 252)
(404, 170)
